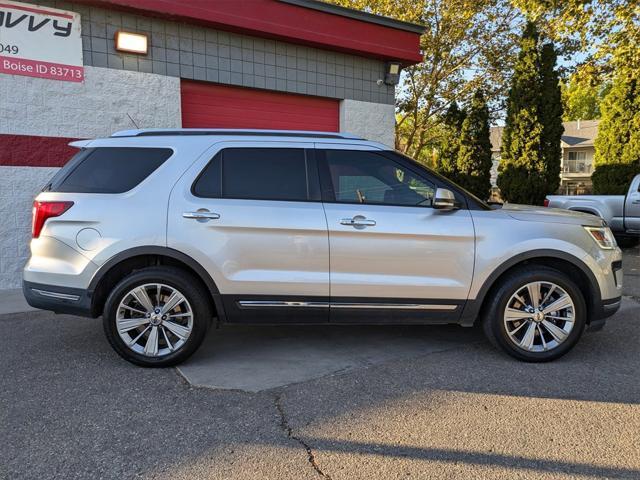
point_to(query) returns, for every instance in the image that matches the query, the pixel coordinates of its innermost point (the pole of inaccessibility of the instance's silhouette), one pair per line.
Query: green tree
(521, 138)
(474, 155)
(551, 118)
(582, 96)
(449, 144)
(618, 139)
(467, 44)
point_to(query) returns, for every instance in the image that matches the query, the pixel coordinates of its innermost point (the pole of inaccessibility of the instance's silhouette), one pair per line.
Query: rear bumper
(72, 301)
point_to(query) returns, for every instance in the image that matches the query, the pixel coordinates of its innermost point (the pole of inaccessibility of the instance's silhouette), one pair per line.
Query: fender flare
(472, 307)
(166, 252)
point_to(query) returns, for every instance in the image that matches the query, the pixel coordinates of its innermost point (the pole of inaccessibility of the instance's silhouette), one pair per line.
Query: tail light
(546, 202)
(45, 210)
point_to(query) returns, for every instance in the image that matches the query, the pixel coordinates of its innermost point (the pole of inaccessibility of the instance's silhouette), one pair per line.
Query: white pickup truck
(621, 212)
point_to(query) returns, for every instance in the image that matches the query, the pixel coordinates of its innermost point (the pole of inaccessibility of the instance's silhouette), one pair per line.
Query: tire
(166, 339)
(544, 344)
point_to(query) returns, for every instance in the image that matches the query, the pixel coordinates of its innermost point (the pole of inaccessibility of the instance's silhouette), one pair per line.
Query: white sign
(40, 42)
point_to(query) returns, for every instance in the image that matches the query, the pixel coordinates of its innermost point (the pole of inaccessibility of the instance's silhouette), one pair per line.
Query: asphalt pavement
(451, 406)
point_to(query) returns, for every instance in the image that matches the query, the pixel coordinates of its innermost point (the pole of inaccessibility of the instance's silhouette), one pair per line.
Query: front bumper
(605, 310)
(72, 301)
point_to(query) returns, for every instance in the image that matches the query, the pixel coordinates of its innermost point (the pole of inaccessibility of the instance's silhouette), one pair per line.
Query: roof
(181, 138)
(358, 15)
(580, 133)
(306, 22)
(167, 132)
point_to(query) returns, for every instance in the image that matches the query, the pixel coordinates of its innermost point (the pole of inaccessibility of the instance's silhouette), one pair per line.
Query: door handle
(358, 221)
(201, 215)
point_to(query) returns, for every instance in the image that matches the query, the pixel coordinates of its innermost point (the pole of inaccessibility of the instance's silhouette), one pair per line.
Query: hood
(530, 213)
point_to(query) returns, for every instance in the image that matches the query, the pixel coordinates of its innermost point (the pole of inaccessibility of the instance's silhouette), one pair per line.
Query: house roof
(581, 133)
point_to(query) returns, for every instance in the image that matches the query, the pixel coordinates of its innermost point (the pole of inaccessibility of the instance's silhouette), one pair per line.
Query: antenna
(132, 121)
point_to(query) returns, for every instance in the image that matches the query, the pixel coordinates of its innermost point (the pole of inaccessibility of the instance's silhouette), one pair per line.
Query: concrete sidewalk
(253, 359)
(12, 301)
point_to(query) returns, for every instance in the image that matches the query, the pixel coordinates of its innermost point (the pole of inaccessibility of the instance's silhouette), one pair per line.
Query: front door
(393, 257)
(250, 213)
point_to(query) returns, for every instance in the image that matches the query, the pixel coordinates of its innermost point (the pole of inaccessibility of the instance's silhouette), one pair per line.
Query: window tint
(110, 170)
(209, 183)
(366, 177)
(255, 173)
(61, 174)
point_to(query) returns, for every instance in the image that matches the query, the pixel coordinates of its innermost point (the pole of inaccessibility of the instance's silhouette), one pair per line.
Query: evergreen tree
(474, 155)
(617, 145)
(618, 138)
(450, 143)
(551, 111)
(521, 178)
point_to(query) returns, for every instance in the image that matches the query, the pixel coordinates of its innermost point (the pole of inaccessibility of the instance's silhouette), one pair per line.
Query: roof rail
(159, 132)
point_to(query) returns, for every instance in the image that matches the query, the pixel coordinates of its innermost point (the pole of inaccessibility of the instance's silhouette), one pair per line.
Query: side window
(255, 173)
(209, 183)
(109, 169)
(367, 177)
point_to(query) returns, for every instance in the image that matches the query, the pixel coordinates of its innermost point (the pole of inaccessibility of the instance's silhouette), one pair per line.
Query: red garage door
(206, 105)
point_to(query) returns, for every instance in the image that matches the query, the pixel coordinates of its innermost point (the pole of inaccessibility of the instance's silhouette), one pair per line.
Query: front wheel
(157, 317)
(536, 315)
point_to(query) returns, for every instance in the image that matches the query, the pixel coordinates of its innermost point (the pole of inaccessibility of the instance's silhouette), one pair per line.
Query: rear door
(251, 214)
(393, 257)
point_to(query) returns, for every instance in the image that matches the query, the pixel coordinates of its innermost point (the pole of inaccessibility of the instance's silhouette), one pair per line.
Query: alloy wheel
(539, 316)
(154, 319)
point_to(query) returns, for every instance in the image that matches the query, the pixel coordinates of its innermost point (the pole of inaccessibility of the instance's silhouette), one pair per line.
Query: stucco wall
(18, 186)
(373, 121)
(95, 108)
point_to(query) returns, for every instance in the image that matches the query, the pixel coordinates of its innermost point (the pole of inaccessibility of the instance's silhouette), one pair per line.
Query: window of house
(577, 162)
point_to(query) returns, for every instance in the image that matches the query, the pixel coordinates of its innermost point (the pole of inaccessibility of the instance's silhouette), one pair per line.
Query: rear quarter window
(108, 169)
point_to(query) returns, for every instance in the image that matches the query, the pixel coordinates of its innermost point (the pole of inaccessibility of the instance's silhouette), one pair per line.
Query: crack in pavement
(284, 424)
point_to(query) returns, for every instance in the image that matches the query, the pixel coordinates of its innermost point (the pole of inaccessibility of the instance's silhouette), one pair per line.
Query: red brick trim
(33, 151)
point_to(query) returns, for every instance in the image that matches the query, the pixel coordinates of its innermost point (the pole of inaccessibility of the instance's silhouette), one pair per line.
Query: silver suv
(162, 231)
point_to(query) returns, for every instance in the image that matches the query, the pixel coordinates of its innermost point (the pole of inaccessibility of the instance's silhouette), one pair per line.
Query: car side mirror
(444, 199)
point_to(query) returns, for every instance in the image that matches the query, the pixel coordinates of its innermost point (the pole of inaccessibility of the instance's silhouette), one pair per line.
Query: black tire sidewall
(514, 282)
(187, 286)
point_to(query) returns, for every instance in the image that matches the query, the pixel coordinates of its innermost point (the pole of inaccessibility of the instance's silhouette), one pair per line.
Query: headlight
(603, 237)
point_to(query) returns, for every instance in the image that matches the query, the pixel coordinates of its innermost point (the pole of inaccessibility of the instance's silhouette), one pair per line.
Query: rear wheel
(536, 315)
(157, 317)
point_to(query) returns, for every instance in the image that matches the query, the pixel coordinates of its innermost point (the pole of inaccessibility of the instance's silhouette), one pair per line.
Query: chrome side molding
(62, 296)
(269, 303)
(395, 306)
(377, 306)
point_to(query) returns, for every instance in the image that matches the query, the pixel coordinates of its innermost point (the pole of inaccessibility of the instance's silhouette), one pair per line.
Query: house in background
(577, 156)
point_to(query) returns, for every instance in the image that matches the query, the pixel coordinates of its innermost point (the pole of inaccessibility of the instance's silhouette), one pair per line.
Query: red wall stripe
(207, 105)
(272, 19)
(33, 151)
